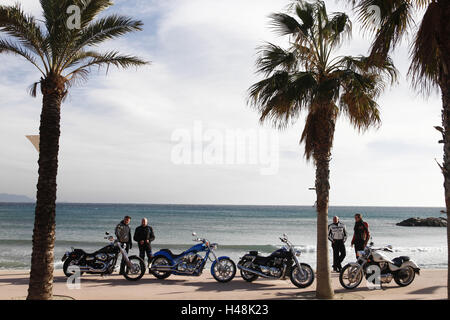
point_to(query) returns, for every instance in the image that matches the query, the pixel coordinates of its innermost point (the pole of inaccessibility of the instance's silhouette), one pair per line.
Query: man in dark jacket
(361, 234)
(123, 234)
(144, 235)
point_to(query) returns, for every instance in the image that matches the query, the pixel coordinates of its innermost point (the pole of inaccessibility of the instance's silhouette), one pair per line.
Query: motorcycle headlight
(298, 253)
(214, 246)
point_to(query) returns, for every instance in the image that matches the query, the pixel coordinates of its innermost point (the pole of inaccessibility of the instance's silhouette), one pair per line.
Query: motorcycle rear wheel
(306, 280)
(354, 281)
(160, 261)
(247, 276)
(138, 272)
(405, 276)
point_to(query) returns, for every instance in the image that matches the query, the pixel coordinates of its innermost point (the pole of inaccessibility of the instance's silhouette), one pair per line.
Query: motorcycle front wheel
(137, 269)
(223, 269)
(350, 276)
(404, 277)
(247, 276)
(302, 279)
(67, 266)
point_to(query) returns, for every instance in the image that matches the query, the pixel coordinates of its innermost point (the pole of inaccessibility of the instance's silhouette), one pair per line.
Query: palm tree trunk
(446, 171)
(322, 157)
(324, 289)
(446, 164)
(445, 88)
(41, 275)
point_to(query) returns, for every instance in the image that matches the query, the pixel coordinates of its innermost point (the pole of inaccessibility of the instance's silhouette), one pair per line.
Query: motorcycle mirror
(285, 235)
(194, 234)
(389, 246)
(107, 233)
(371, 243)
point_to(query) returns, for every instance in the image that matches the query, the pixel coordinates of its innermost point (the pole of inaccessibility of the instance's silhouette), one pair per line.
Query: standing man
(337, 234)
(123, 234)
(361, 234)
(144, 235)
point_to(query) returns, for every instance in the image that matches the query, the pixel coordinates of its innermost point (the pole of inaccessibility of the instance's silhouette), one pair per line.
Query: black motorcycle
(278, 265)
(103, 261)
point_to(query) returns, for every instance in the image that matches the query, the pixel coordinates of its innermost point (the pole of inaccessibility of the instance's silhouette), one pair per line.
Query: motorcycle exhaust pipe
(89, 269)
(255, 272)
(162, 268)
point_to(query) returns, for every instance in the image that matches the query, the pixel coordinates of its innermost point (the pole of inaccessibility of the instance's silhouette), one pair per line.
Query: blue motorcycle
(191, 263)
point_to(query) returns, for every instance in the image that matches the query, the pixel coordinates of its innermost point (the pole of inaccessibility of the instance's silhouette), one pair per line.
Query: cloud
(116, 129)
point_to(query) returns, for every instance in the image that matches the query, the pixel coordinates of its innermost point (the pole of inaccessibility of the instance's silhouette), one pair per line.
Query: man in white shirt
(337, 234)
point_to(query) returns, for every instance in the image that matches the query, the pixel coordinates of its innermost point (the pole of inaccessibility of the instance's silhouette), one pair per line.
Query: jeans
(122, 263)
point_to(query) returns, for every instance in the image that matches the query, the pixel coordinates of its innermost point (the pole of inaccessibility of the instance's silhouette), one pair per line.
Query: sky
(175, 130)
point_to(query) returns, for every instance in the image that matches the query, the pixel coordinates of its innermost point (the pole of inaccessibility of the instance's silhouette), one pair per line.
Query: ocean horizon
(237, 229)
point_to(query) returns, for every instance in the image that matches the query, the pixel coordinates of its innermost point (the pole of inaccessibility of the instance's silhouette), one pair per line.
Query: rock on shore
(426, 222)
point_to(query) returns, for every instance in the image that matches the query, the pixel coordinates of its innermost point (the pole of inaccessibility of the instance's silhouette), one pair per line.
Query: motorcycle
(370, 261)
(280, 263)
(191, 263)
(103, 261)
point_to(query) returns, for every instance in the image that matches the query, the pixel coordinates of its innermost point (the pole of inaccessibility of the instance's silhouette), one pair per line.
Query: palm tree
(307, 77)
(63, 55)
(430, 56)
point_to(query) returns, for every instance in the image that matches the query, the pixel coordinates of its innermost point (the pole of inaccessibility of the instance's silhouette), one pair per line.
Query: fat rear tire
(399, 280)
(249, 277)
(159, 274)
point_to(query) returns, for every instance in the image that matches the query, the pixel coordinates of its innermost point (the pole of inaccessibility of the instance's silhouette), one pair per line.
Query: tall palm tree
(430, 56)
(63, 55)
(308, 76)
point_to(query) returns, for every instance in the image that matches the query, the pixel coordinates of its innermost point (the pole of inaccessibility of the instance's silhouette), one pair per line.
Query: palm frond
(90, 9)
(281, 97)
(272, 57)
(15, 23)
(427, 58)
(284, 24)
(394, 20)
(113, 58)
(7, 46)
(108, 28)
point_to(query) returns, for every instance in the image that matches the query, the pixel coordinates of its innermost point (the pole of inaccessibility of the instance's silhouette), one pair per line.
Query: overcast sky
(119, 131)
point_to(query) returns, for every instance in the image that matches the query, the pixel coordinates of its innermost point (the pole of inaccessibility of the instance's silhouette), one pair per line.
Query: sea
(237, 229)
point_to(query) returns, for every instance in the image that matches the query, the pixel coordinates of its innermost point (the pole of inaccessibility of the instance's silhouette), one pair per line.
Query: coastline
(429, 285)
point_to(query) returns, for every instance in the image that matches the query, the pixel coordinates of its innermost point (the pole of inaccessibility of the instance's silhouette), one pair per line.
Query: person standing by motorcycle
(144, 235)
(337, 234)
(123, 234)
(361, 234)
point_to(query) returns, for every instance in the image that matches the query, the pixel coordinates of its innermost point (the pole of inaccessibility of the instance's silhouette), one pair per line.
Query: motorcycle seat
(262, 259)
(173, 255)
(399, 260)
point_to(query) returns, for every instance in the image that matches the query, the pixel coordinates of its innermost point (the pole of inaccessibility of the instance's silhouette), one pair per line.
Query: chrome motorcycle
(103, 261)
(281, 263)
(378, 268)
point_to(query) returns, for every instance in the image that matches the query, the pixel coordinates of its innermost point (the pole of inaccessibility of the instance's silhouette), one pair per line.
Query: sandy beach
(430, 285)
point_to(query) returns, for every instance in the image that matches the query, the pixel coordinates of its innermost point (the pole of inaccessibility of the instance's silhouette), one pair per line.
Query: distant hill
(4, 197)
